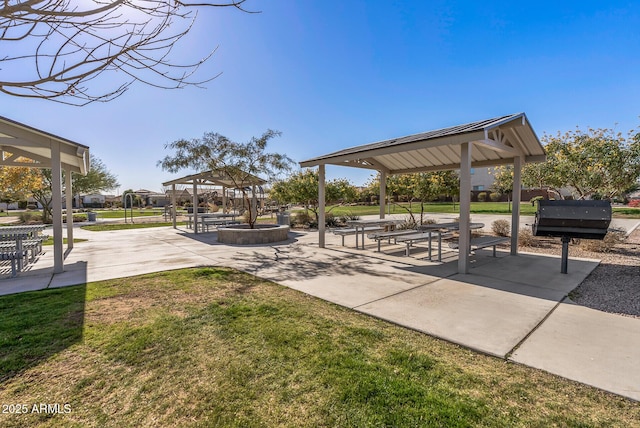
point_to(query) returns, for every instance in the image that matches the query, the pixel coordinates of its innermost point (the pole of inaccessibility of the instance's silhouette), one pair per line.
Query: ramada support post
(515, 210)
(56, 205)
(69, 204)
(321, 204)
(383, 192)
(465, 207)
(195, 206)
(173, 205)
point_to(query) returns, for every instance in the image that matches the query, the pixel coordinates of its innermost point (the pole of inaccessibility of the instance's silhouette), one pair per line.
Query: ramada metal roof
(215, 179)
(495, 141)
(18, 141)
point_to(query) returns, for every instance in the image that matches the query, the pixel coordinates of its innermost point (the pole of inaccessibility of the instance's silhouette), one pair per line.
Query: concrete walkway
(509, 307)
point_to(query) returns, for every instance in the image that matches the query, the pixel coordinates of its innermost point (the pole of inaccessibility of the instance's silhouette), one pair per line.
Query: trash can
(91, 216)
(283, 219)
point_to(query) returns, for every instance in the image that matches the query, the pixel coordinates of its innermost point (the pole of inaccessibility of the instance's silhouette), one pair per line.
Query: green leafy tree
(503, 181)
(370, 192)
(43, 193)
(98, 179)
(401, 186)
(423, 187)
(598, 162)
(16, 183)
(431, 185)
(239, 162)
(302, 188)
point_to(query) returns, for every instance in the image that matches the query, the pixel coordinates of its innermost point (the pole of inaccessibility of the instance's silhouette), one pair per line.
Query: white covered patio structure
(208, 178)
(23, 145)
(498, 141)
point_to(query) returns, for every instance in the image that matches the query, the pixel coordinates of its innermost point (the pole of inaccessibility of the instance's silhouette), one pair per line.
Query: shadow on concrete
(293, 262)
(526, 274)
(37, 325)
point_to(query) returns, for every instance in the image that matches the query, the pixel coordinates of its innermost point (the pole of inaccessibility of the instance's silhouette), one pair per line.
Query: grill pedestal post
(565, 254)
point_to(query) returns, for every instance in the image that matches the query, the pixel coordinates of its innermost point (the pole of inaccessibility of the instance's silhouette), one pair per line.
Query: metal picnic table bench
(409, 240)
(16, 242)
(428, 232)
(353, 231)
(381, 235)
(483, 242)
(362, 226)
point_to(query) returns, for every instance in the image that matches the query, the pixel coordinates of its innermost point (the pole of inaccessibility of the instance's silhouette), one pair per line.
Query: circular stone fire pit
(261, 234)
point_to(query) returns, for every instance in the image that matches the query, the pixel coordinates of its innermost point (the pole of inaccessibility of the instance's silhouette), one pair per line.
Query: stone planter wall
(262, 234)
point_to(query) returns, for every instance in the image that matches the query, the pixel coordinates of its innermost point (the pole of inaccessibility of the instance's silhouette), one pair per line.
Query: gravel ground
(613, 286)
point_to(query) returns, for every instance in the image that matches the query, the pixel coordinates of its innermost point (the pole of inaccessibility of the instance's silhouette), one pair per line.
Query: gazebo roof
(495, 141)
(213, 179)
(18, 140)
(20, 144)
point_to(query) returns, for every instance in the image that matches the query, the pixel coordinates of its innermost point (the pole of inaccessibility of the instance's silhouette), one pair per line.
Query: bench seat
(411, 239)
(12, 256)
(381, 236)
(483, 242)
(33, 246)
(352, 231)
(206, 222)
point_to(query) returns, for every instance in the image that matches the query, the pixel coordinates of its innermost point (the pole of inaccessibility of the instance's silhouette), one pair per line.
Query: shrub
(526, 238)
(611, 239)
(303, 219)
(30, 217)
(25, 217)
(501, 227)
(330, 220)
(348, 217)
(495, 197)
(482, 196)
(409, 223)
(77, 218)
(429, 221)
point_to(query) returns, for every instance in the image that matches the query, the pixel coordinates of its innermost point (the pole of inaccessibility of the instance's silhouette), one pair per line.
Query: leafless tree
(57, 49)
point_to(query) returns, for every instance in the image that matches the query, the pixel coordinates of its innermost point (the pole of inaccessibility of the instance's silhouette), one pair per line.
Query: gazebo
(501, 140)
(23, 145)
(208, 178)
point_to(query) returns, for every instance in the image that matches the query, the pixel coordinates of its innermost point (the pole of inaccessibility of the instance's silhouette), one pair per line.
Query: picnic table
(202, 217)
(439, 229)
(360, 226)
(17, 241)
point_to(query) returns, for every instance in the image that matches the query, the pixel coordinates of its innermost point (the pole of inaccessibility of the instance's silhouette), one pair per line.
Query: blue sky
(335, 74)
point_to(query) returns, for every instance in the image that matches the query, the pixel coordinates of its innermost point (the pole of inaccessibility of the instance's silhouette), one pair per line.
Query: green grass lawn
(49, 240)
(136, 213)
(432, 207)
(216, 347)
(448, 208)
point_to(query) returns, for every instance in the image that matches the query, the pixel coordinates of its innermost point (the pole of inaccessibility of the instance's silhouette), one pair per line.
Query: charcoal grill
(572, 219)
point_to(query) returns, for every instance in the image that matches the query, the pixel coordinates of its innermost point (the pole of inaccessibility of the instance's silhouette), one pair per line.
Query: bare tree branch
(53, 49)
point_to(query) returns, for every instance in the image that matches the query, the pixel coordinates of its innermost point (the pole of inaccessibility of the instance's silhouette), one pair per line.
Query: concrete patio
(512, 307)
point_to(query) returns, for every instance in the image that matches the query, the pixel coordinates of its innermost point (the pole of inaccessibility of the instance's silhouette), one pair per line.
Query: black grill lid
(579, 219)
